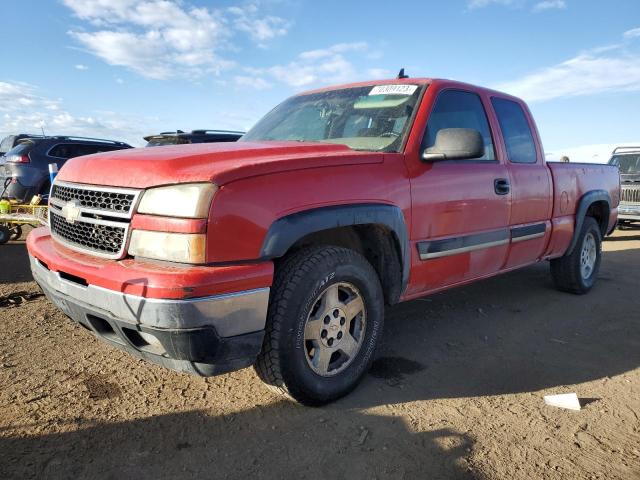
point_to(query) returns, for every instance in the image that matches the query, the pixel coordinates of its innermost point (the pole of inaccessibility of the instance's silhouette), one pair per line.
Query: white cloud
(379, 73)
(261, 29)
(23, 110)
(15, 96)
(252, 82)
(316, 67)
(168, 38)
(611, 69)
(550, 5)
(81, 67)
(473, 4)
(333, 50)
(633, 33)
(538, 6)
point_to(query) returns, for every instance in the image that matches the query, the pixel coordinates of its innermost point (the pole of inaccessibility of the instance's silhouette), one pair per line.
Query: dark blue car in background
(26, 166)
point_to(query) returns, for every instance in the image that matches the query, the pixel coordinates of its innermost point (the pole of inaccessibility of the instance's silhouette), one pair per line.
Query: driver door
(460, 208)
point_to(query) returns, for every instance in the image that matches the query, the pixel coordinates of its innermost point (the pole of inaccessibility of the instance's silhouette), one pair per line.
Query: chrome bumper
(230, 314)
(628, 211)
(202, 336)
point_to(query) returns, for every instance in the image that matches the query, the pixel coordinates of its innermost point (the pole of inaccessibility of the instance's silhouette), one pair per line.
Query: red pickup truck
(281, 250)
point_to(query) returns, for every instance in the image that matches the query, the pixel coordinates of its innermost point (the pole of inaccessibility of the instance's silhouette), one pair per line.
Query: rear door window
(518, 139)
(80, 150)
(61, 150)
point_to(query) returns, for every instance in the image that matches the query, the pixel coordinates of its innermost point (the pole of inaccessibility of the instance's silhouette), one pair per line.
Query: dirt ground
(455, 393)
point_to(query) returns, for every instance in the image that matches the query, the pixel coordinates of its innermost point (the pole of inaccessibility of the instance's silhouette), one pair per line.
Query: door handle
(501, 186)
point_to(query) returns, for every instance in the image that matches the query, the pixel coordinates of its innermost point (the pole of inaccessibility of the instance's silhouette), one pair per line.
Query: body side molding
(429, 249)
(528, 232)
(452, 246)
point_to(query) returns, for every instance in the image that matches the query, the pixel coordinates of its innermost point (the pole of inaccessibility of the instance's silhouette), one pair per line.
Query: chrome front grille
(106, 239)
(92, 219)
(109, 201)
(630, 193)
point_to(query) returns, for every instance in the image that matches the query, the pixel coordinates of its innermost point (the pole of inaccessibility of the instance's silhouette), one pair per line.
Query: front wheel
(324, 322)
(577, 272)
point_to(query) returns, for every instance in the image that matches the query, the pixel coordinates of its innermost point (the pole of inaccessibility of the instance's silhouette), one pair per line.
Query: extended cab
(281, 250)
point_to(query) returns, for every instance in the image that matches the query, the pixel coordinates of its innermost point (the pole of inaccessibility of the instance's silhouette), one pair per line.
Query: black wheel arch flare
(286, 231)
(587, 200)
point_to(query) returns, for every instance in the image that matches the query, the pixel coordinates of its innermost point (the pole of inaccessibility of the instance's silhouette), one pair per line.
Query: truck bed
(572, 180)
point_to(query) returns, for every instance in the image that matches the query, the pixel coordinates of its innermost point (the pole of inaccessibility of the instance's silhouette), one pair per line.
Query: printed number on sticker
(393, 90)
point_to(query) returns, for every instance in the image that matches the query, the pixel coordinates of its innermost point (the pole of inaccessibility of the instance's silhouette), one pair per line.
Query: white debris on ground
(569, 401)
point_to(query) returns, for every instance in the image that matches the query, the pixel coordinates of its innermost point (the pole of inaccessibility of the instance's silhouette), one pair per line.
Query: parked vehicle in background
(196, 136)
(27, 164)
(281, 250)
(11, 141)
(627, 159)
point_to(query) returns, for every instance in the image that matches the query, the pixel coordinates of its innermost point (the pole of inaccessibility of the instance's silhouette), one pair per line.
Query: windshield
(628, 164)
(373, 118)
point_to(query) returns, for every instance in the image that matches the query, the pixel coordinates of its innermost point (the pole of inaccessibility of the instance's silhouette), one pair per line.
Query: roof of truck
(411, 81)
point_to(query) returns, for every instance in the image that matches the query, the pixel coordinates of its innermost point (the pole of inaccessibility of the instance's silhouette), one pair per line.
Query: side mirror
(455, 144)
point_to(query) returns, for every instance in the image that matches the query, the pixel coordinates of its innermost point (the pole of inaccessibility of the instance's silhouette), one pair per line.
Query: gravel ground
(455, 393)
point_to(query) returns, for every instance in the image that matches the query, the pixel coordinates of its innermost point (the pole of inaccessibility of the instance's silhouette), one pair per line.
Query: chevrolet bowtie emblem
(71, 211)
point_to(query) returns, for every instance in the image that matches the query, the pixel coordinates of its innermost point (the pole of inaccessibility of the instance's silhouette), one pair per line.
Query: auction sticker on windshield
(393, 90)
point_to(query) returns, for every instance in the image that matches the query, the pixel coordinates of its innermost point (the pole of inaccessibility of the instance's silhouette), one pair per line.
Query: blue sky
(127, 68)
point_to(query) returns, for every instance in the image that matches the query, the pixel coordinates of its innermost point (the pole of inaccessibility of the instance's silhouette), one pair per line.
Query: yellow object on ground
(5, 206)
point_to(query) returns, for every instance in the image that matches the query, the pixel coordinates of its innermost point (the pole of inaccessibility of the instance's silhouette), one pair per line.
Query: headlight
(189, 200)
(173, 247)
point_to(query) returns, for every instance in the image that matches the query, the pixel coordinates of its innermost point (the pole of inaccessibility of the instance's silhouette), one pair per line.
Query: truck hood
(216, 162)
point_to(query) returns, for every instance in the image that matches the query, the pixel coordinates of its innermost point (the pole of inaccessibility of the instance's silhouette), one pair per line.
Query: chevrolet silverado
(281, 250)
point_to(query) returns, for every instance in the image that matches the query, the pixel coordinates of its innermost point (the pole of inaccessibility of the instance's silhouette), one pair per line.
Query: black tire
(5, 234)
(299, 281)
(16, 232)
(567, 271)
(623, 224)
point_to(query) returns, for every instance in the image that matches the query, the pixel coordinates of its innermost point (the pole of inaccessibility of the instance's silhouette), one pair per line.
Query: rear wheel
(16, 232)
(325, 320)
(577, 272)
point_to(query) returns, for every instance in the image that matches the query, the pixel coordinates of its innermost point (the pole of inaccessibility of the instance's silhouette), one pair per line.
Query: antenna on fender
(401, 74)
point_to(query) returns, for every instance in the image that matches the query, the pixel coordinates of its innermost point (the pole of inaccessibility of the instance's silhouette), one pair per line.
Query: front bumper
(203, 336)
(629, 211)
